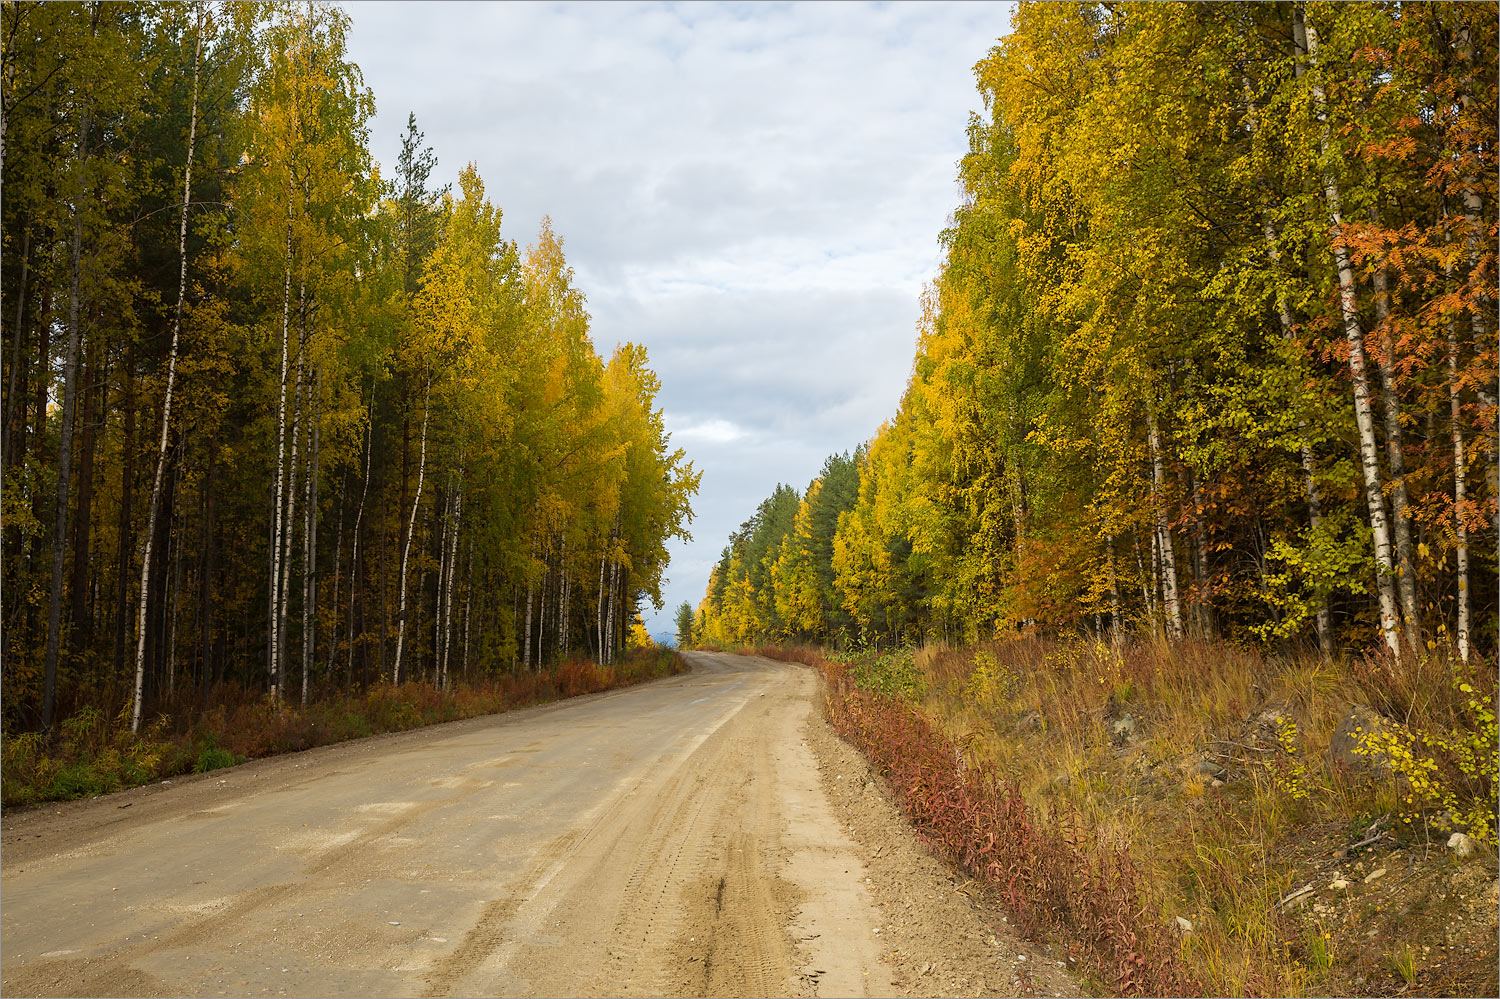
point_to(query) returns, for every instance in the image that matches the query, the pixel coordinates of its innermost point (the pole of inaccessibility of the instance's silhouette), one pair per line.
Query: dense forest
(278, 418)
(1212, 351)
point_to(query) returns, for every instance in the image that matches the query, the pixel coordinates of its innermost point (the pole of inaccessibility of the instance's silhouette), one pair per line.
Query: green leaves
(1143, 251)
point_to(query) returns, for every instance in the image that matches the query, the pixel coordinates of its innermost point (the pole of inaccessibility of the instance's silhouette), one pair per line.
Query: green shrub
(894, 674)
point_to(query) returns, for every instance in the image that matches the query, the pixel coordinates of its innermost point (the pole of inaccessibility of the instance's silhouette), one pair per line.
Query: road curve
(669, 839)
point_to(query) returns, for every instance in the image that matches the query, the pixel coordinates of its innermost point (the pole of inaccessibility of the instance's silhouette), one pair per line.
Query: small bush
(213, 758)
(893, 674)
(981, 822)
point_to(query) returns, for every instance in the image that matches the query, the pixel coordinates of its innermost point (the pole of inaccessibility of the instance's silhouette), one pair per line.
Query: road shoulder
(940, 936)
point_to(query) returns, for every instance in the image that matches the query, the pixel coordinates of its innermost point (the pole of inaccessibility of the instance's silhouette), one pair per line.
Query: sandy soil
(702, 835)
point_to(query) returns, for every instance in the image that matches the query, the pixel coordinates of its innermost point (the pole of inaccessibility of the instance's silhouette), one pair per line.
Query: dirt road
(680, 838)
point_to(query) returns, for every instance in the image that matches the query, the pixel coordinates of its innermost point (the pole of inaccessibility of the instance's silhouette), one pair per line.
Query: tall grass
(1115, 753)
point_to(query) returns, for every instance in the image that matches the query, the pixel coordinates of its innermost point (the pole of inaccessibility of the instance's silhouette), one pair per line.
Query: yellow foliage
(638, 637)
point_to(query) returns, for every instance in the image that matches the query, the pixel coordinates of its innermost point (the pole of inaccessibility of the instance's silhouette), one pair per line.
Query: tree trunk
(334, 617)
(526, 648)
(14, 385)
(78, 588)
(1460, 490)
(310, 539)
(166, 405)
(541, 618)
(609, 614)
(206, 574)
(458, 513)
(444, 525)
(385, 583)
(1164, 533)
(65, 443)
(1202, 605)
(359, 517)
(1406, 565)
(284, 598)
(1482, 309)
(468, 598)
(562, 602)
(279, 500)
(173, 600)
(416, 502)
(599, 613)
(126, 550)
(1115, 633)
(1364, 418)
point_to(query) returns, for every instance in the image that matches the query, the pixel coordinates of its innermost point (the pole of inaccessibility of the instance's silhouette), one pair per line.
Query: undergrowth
(95, 753)
(1148, 805)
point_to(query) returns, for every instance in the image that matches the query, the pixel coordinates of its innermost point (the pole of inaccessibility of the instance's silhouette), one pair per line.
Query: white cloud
(715, 431)
(752, 191)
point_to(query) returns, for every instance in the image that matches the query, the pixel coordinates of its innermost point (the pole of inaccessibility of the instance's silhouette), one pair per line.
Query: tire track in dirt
(673, 839)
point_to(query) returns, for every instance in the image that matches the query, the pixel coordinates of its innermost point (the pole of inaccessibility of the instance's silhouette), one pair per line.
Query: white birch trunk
(166, 406)
(279, 524)
(1116, 636)
(468, 598)
(1364, 418)
(541, 617)
(310, 540)
(1406, 566)
(438, 623)
(599, 611)
(609, 616)
(1479, 318)
(1170, 601)
(411, 527)
(1460, 491)
(563, 600)
(284, 600)
(526, 651)
(458, 513)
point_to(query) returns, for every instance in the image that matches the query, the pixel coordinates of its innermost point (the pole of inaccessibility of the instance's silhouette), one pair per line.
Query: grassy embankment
(95, 753)
(1150, 808)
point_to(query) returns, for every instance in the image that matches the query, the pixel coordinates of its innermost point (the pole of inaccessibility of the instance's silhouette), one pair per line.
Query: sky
(754, 192)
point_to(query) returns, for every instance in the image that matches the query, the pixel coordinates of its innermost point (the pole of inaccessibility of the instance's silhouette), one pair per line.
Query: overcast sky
(752, 191)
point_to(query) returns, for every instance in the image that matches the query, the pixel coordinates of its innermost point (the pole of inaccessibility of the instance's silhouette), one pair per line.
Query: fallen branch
(1288, 899)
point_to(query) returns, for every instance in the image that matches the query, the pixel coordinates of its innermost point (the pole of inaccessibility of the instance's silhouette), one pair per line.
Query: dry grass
(1120, 740)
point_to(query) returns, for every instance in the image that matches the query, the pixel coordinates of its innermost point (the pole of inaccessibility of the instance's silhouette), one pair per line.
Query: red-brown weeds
(981, 823)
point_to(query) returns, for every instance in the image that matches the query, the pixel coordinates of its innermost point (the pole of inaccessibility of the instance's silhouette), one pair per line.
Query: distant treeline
(271, 416)
(1213, 349)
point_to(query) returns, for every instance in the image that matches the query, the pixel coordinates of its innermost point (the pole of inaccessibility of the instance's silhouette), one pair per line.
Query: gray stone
(1347, 744)
(1462, 845)
(1271, 718)
(1184, 925)
(1125, 730)
(1210, 767)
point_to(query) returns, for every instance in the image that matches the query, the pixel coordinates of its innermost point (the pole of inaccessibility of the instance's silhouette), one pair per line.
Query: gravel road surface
(700, 835)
